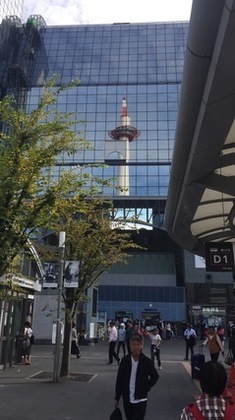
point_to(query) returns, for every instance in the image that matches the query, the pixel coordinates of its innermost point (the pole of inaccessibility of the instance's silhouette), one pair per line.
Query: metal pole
(58, 321)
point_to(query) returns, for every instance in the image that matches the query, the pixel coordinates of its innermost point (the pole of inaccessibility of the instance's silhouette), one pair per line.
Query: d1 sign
(219, 256)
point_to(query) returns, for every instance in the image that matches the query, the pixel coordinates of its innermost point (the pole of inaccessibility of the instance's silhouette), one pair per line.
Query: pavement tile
(28, 392)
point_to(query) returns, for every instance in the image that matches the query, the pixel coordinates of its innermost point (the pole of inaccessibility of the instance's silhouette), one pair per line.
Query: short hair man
(136, 376)
(210, 404)
(190, 339)
(113, 336)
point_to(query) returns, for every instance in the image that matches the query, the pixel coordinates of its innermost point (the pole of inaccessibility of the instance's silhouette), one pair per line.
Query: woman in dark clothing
(231, 343)
(129, 334)
(136, 376)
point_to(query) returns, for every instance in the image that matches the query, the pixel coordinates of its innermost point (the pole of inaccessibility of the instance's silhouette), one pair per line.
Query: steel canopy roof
(201, 200)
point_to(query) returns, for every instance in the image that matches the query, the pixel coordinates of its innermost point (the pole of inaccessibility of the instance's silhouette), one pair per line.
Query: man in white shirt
(155, 346)
(113, 336)
(190, 339)
(136, 376)
(121, 339)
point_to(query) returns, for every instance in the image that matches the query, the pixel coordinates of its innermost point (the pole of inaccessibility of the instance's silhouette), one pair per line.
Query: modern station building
(142, 63)
(130, 84)
(200, 205)
(10, 8)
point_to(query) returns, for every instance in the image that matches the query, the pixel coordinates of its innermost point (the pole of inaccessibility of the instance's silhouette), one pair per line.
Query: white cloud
(59, 12)
(55, 12)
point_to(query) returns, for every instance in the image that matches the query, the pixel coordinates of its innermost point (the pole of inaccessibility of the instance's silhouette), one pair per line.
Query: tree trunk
(65, 363)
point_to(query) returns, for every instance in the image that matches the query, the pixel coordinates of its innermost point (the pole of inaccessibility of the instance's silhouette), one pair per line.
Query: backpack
(32, 339)
(213, 345)
(228, 414)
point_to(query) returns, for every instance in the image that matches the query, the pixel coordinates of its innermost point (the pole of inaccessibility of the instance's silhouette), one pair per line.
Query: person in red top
(211, 404)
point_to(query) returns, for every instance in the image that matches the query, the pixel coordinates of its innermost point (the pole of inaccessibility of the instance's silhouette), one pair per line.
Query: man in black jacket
(136, 376)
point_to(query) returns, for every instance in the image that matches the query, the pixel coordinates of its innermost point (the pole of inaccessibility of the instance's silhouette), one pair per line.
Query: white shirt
(155, 339)
(134, 366)
(188, 332)
(121, 334)
(113, 334)
(28, 332)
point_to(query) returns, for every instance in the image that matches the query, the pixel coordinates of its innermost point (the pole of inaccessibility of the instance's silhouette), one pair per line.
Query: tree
(32, 199)
(30, 145)
(90, 240)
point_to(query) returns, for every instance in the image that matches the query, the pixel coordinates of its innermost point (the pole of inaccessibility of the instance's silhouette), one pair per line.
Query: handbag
(116, 414)
(228, 360)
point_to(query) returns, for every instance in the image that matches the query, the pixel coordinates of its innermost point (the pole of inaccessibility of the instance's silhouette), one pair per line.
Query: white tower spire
(122, 136)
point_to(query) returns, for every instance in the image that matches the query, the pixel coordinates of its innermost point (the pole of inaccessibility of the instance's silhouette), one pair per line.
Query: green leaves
(91, 240)
(30, 146)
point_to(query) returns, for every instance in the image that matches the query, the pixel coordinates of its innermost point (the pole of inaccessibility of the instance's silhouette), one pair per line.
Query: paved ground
(25, 395)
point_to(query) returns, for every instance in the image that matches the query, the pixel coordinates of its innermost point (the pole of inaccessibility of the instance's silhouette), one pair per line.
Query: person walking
(160, 327)
(75, 349)
(211, 404)
(214, 344)
(231, 343)
(231, 346)
(221, 334)
(121, 339)
(136, 376)
(129, 333)
(155, 346)
(113, 335)
(190, 339)
(26, 344)
(168, 331)
(175, 332)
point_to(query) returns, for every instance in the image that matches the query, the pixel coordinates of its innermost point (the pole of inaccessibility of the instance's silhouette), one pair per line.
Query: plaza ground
(28, 392)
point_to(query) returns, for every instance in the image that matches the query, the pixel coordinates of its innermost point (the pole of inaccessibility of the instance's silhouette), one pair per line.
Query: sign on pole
(219, 256)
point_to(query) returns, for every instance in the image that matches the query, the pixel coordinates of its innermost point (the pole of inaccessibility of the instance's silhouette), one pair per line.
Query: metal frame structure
(200, 205)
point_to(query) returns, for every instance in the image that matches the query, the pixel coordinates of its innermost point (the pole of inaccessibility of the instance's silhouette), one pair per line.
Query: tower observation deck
(122, 135)
(125, 131)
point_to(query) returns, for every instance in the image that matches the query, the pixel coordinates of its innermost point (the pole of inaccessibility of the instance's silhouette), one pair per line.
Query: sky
(73, 12)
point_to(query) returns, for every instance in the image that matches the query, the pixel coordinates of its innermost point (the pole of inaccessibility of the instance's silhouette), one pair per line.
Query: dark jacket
(231, 343)
(146, 377)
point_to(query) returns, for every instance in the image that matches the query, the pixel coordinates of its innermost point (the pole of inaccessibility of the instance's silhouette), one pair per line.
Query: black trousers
(155, 352)
(214, 356)
(112, 353)
(121, 344)
(75, 348)
(188, 346)
(128, 345)
(135, 411)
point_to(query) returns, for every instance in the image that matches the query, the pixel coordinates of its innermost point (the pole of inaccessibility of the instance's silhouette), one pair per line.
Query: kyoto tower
(122, 136)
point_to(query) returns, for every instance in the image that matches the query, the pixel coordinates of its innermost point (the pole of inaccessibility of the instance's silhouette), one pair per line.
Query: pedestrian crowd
(137, 373)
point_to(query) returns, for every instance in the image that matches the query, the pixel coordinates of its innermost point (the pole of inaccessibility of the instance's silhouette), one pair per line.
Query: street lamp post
(58, 321)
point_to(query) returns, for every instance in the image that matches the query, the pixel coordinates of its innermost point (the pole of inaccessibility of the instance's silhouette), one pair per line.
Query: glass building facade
(144, 64)
(11, 7)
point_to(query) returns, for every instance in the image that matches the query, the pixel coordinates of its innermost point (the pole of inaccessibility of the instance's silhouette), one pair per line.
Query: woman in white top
(75, 349)
(26, 345)
(155, 346)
